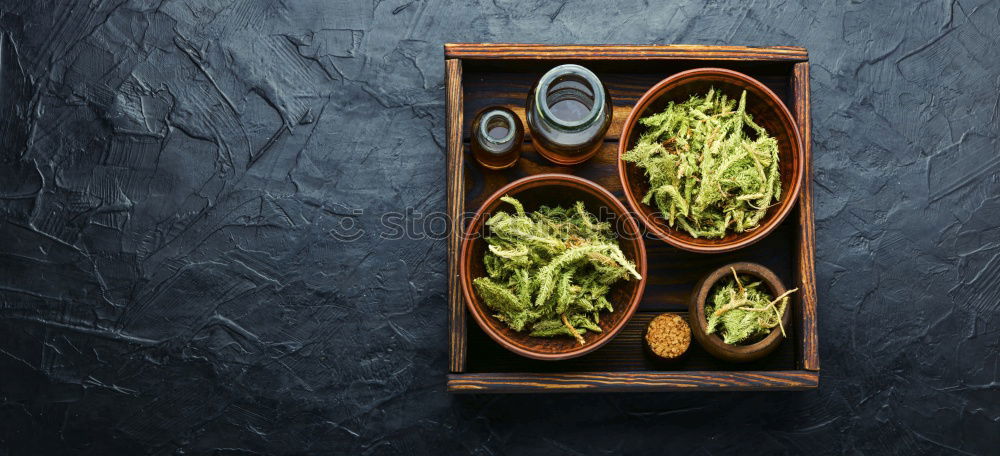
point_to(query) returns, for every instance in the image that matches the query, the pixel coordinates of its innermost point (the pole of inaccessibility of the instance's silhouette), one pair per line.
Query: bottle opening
(570, 96)
(497, 128)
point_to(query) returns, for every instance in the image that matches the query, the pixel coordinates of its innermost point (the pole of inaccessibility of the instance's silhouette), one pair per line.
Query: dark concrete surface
(177, 179)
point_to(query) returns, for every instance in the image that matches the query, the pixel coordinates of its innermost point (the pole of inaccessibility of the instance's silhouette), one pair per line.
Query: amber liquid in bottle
(497, 135)
(568, 112)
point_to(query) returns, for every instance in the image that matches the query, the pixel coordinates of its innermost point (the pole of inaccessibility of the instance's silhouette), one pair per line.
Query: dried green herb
(710, 167)
(744, 314)
(550, 271)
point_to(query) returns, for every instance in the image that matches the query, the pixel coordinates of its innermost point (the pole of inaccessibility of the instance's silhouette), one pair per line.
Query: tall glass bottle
(497, 135)
(568, 112)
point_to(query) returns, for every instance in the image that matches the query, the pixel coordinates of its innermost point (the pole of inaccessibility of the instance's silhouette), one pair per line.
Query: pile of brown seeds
(668, 336)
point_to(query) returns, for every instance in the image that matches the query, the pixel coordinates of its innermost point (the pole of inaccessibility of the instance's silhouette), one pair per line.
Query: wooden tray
(481, 75)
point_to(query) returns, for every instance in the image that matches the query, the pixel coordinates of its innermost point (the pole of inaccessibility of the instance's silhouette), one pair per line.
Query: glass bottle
(497, 135)
(568, 112)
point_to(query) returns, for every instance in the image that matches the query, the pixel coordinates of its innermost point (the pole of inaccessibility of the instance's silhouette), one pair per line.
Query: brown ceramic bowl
(767, 110)
(554, 190)
(712, 343)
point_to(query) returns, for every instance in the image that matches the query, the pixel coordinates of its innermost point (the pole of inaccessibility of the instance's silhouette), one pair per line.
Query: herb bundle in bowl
(549, 271)
(711, 168)
(742, 311)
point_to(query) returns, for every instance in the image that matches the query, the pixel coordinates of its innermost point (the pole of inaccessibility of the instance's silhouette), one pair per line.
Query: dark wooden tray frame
(805, 375)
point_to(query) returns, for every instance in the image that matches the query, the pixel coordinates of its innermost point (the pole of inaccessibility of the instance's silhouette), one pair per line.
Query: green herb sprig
(550, 271)
(744, 313)
(706, 173)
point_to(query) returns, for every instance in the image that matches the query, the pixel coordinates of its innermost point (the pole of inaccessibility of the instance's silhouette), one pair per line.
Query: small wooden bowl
(554, 190)
(712, 343)
(767, 110)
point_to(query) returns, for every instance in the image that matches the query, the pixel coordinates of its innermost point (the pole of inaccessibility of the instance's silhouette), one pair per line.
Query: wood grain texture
(456, 200)
(806, 261)
(625, 353)
(621, 52)
(485, 88)
(632, 382)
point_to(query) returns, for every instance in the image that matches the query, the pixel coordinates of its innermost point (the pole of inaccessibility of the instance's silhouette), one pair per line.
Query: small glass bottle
(568, 112)
(497, 135)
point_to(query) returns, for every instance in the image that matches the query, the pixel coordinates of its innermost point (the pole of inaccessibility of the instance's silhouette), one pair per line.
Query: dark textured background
(173, 175)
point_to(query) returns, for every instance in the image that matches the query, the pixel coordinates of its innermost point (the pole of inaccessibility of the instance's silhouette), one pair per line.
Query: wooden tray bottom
(626, 352)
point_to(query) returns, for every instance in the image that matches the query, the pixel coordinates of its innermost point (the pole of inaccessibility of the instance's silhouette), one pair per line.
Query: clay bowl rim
(678, 238)
(473, 303)
(712, 343)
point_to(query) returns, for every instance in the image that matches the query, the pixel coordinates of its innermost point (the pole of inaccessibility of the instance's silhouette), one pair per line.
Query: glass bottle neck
(496, 131)
(570, 98)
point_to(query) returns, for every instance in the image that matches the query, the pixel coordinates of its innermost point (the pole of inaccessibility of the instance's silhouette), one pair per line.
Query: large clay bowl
(554, 190)
(767, 110)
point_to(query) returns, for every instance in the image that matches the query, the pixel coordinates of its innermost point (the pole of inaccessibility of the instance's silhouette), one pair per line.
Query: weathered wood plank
(510, 89)
(456, 204)
(806, 262)
(603, 382)
(626, 352)
(621, 52)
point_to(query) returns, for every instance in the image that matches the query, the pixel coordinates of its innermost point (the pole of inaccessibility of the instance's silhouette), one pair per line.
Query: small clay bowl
(554, 190)
(767, 110)
(712, 343)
